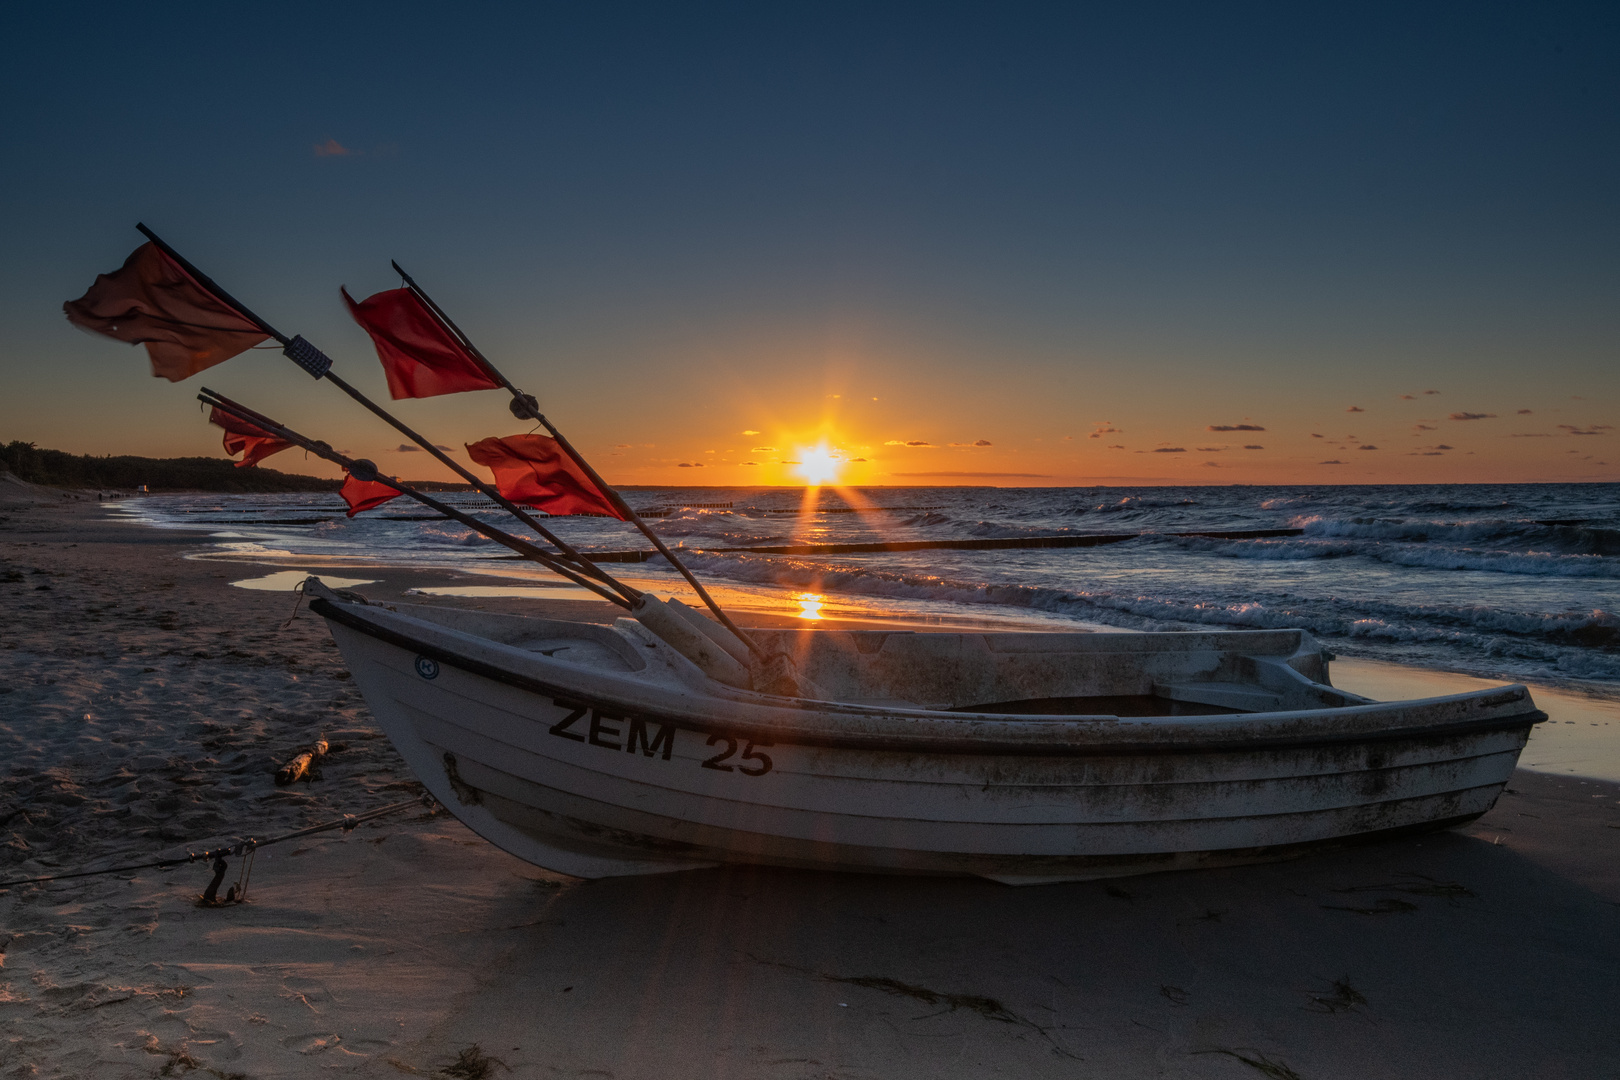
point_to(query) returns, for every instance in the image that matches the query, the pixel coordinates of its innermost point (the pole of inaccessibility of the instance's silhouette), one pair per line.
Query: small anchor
(237, 893)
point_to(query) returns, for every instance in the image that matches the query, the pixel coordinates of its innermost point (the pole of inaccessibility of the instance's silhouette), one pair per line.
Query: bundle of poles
(676, 624)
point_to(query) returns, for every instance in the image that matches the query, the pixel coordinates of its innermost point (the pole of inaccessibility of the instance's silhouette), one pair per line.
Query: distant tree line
(54, 468)
(57, 469)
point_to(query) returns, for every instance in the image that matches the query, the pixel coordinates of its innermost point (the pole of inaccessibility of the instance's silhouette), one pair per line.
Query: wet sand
(146, 705)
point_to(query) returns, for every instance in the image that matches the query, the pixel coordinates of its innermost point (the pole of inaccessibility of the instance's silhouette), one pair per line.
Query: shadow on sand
(1446, 955)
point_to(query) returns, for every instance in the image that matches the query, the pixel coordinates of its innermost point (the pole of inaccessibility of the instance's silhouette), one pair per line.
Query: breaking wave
(1415, 555)
(1582, 539)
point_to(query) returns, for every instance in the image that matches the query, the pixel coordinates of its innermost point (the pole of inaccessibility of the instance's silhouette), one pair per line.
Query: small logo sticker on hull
(428, 669)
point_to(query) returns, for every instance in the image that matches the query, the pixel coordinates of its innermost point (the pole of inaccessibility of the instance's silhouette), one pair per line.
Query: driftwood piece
(300, 767)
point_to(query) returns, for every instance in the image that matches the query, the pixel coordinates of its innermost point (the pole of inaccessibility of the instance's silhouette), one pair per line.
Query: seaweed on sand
(1341, 998)
(1276, 1070)
(473, 1064)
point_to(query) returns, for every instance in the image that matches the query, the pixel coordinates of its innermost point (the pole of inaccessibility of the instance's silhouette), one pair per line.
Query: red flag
(420, 356)
(152, 301)
(534, 470)
(362, 495)
(252, 442)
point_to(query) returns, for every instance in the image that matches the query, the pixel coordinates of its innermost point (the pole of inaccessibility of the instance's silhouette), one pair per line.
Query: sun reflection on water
(809, 605)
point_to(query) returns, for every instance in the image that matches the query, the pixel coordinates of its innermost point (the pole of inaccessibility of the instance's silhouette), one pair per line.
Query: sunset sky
(948, 244)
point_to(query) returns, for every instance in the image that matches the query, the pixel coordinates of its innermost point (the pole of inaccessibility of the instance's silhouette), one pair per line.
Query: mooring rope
(242, 847)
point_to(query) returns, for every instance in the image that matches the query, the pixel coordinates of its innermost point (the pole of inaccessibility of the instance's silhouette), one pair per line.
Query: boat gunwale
(980, 745)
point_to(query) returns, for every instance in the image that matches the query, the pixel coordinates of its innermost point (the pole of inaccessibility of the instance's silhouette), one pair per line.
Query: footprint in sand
(311, 1044)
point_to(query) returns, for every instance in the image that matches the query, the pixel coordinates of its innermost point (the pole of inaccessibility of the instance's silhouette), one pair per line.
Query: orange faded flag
(534, 470)
(152, 301)
(363, 495)
(252, 442)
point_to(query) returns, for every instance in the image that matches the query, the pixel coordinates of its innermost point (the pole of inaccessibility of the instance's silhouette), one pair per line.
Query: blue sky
(858, 225)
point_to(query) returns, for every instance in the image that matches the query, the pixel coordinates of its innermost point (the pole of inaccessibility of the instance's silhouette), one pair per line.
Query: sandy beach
(145, 704)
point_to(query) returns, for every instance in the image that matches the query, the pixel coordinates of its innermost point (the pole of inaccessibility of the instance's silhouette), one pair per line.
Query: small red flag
(252, 442)
(152, 301)
(419, 354)
(534, 470)
(362, 495)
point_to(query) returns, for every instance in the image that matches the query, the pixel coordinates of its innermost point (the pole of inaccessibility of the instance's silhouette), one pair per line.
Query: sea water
(1420, 590)
(1501, 581)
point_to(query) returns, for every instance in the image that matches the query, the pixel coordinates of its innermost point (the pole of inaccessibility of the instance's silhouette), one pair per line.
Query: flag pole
(362, 469)
(319, 365)
(209, 284)
(524, 406)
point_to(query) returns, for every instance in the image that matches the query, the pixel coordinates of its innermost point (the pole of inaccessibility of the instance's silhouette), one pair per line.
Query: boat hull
(591, 779)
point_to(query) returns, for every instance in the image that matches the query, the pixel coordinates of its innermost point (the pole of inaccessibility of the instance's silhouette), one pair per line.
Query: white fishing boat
(601, 751)
(669, 741)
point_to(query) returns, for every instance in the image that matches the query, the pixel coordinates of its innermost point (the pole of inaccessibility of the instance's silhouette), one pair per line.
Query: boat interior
(1067, 674)
(1029, 674)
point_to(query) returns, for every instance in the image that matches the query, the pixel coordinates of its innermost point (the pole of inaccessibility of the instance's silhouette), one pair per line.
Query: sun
(819, 466)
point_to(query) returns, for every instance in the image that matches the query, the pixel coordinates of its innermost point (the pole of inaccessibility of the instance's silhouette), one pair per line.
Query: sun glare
(818, 466)
(809, 605)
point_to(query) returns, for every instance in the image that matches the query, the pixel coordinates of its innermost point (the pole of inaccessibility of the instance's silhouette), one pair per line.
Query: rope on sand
(246, 848)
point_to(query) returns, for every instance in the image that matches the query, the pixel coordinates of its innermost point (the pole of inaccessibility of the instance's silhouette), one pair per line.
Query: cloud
(1367, 446)
(1524, 412)
(907, 442)
(1472, 416)
(1591, 429)
(750, 463)
(1106, 428)
(1209, 449)
(1408, 397)
(1234, 427)
(691, 465)
(1334, 462)
(1355, 408)
(763, 450)
(1532, 435)
(1431, 392)
(1117, 446)
(1423, 427)
(750, 433)
(1427, 453)
(407, 448)
(621, 446)
(1314, 435)
(1254, 446)
(857, 459)
(1212, 464)
(985, 442)
(1443, 446)
(1171, 450)
(333, 148)
(981, 475)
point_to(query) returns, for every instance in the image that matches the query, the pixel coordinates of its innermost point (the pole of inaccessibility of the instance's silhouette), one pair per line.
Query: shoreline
(148, 703)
